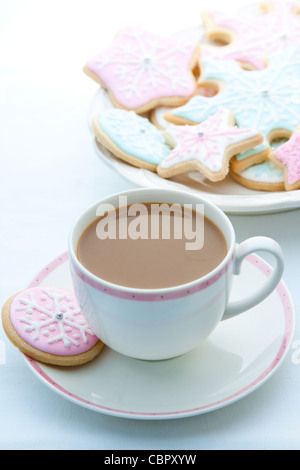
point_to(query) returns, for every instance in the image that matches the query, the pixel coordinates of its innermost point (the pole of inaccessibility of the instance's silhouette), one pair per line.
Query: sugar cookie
(157, 114)
(267, 100)
(207, 147)
(46, 324)
(251, 38)
(142, 70)
(261, 177)
(287, 158)
(131, 137)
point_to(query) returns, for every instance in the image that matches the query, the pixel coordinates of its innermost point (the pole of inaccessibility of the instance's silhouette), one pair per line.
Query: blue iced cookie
(267, 100)
(261, 177)
(131, 138)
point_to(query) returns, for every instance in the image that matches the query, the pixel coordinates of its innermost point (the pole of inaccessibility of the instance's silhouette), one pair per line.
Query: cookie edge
(41, 356)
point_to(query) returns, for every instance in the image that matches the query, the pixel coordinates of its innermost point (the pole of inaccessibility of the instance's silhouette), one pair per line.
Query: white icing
(265, 172)
(49, 318)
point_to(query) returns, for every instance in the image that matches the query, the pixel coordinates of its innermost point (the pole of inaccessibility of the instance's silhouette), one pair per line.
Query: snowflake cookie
(142, 70)
(207, 147)
(157, 114)
(267, 100)
(131, 138)
(252, 36)
(47, 325)
(287, 158)
(264, 176)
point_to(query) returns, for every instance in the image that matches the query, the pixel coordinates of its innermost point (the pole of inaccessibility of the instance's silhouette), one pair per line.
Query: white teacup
(155, 324)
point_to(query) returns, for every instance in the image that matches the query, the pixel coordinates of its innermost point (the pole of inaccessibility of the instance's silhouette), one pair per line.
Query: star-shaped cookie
(253, 35)
(207, 147)
(267, 100)
(287, 157)
(142, 70)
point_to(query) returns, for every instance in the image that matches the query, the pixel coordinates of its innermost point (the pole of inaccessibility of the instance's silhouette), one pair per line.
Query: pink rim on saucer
(288, 311)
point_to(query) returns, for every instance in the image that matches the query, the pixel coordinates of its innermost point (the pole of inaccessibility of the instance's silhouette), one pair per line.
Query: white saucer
(240, 355)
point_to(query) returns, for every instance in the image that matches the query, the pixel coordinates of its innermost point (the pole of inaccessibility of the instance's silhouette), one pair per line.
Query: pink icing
(259, 36)
(50, 320)
(289, 154)
(206, 142)
(141, 66)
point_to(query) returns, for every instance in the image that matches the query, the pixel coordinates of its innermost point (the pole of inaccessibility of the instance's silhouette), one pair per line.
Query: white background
(48, 174)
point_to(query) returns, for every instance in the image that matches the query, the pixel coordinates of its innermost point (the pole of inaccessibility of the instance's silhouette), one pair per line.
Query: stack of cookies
(179, 106)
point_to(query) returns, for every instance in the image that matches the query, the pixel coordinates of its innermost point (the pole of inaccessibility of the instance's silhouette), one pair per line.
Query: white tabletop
(49, 174)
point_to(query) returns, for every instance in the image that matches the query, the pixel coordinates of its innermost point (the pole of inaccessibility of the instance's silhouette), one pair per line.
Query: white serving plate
(229, 195)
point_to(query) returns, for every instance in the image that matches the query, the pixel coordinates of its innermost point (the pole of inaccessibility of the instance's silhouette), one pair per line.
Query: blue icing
(265, 99)
(134, 135)
(254, 151)
(265, 172)
(266, 168)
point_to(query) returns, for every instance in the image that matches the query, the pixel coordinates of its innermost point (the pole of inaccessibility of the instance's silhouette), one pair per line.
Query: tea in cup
(152, 270)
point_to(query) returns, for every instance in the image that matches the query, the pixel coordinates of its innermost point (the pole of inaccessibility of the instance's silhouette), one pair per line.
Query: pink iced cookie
(287, 157)
(251, 38)
(47, 325)
(142, 70)
(207, 147)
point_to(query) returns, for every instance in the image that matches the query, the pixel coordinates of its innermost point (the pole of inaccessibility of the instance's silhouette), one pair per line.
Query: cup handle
(244, 249)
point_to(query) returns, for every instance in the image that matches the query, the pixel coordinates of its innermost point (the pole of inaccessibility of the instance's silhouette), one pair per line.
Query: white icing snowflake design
(264, 172)
(51, 316)
(258, 36)
(207, 142)
(141, 66)
(266, 99)
(134, 134)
